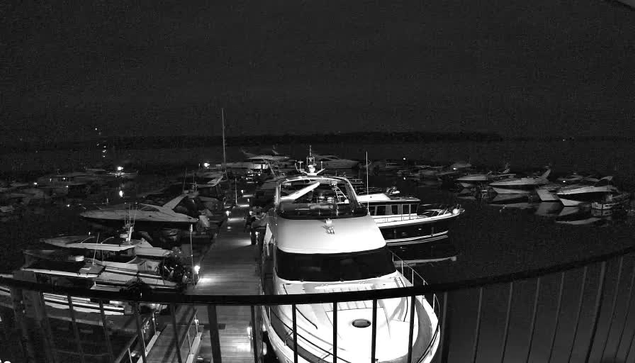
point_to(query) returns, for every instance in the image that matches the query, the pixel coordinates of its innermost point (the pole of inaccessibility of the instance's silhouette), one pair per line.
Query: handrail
(169, 297)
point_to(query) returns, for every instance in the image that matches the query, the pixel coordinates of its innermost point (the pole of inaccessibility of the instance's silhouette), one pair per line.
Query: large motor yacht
(320, 239)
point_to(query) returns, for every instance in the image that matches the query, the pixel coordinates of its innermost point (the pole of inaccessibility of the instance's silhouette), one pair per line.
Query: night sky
(513, 67)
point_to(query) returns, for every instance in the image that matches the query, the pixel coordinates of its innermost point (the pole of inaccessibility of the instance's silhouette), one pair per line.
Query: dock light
(206, 165)
(120, 168)
(35, 184)
(455, 211)
(227, 212)
(120, 193)
(197, 268)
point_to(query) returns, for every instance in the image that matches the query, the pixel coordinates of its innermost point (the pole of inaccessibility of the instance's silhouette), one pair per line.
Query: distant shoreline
(286, 139)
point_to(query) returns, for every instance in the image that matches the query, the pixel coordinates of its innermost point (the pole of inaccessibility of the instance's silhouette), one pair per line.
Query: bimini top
(318, 236)
(313, 196)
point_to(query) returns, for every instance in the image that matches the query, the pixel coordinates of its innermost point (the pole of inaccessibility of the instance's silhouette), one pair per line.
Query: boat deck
(228, 268)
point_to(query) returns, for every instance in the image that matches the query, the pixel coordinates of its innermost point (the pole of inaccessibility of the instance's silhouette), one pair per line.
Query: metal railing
(573, 312)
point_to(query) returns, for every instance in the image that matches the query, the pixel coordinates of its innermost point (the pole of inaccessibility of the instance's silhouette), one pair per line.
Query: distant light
(95, 129)
(120, 193)
(120, 168)
(206, 165)
(68, 205)
(103, 151)
(404, 158)
(197, 268)
(227, 212)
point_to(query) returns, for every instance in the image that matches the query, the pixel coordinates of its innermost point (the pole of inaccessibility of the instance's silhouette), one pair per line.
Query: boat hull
(413, 231)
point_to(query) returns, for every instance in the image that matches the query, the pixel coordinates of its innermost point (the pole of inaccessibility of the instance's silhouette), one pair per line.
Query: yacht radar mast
(311, 169)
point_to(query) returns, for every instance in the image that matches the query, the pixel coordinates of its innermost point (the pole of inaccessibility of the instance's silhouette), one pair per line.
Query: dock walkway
(228, 268)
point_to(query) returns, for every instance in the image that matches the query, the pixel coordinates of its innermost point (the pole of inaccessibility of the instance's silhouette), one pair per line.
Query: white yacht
(404, 220)
(520, 185)
(474, 179)
(335, 162)
(180, 213)
(579, 194)
(320, 239)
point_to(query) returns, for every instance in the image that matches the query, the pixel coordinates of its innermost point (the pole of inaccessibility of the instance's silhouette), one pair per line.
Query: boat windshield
(334, 267)
(319, 198)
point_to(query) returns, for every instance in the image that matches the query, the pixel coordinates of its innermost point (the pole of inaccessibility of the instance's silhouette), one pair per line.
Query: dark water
(490, 240)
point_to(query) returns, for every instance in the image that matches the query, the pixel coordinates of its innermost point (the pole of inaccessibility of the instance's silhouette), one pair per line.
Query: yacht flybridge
(320, 239)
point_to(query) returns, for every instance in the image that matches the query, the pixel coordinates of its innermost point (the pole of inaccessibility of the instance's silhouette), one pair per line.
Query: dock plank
(228, 268)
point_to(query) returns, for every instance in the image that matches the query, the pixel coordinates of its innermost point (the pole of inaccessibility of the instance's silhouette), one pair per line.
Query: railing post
(140, 336)
(176, 334)
(507, 319)
(597, 309)
(373, 342)
(413, 301)
(19, 311)
(445, 330)
(579, 311)
(214, 336)
(628, 311)
(615, 296)
(71, 311)
(255, 334)
(39, 307)
(334, 331)
(104, 324)
(294, 326)
(478, 324)
(532, 325)
(558, 308)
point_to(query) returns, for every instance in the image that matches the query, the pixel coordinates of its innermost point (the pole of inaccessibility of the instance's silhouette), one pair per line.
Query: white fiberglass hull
(314, 327)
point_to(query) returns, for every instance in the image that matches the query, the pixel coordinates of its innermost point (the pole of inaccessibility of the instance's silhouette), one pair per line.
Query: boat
(106, 268)
(474, 179)
(517, 185)
(612, 201)
(70, 184)
(580, 194)
(180, 213)
(89, 245)
(320, 239)
(576, 178)
(404, 220)
(335, 162)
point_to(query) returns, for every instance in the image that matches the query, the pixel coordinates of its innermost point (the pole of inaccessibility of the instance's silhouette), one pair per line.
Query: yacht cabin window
(347, 266)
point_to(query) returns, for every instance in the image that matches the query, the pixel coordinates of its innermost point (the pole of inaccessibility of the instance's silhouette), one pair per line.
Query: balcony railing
(573, 312)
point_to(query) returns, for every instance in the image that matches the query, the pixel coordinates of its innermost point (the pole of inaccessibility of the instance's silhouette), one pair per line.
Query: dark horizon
(184, 142)
(512, 68)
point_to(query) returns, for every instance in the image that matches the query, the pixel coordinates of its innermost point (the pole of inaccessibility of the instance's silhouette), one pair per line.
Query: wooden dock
(228, 268)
